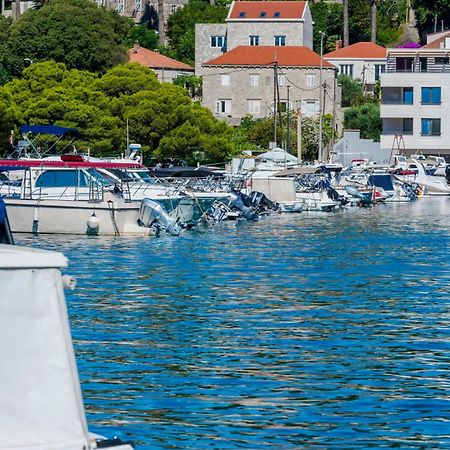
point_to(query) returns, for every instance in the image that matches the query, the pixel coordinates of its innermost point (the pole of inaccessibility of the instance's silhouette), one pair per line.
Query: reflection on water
(298, 331)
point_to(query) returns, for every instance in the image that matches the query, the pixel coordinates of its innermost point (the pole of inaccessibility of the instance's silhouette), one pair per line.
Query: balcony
(419, 65)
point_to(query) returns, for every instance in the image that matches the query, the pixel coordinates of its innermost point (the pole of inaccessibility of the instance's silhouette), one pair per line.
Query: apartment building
(254, 23)
(363, 61)
(415, 108)
(245, 80)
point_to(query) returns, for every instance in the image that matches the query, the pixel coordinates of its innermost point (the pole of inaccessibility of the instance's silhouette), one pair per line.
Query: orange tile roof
(266, 55)
(252, 10)
(437, 42)
(361, 50)
(155, 60)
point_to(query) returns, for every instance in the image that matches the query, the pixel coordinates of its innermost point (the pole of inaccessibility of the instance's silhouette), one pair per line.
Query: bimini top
(48, 129)
(15, 257)
(72, 162)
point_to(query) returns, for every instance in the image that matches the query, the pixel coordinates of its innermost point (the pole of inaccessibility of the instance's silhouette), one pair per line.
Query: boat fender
(93, 225)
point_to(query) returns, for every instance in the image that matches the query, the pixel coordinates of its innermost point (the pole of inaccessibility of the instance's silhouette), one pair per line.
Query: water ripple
(304, 331)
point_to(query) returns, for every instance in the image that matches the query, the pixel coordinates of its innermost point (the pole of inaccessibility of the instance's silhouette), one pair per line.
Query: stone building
(255, 23)
(243, 80)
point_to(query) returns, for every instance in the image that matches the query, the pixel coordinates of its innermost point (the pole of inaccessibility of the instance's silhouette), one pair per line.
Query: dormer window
(263, 14)
(276, 14)
(242, 14)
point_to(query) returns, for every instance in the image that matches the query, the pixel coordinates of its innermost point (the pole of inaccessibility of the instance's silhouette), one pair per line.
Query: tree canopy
(161, 116)
(77, 33)
(365, 118)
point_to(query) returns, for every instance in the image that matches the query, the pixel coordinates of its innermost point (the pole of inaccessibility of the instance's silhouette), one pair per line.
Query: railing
(404, 133)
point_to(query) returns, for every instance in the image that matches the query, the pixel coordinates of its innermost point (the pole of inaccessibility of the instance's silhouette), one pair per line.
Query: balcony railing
(396, 102)
(404, 133)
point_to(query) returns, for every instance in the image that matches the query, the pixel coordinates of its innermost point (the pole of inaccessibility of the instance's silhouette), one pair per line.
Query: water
(318, 331)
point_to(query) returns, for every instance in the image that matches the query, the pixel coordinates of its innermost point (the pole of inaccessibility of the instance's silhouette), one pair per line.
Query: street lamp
(322, 34)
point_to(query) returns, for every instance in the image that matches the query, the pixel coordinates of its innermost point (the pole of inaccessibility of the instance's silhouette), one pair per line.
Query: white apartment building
(415, 108)
(254, 23)
(363, 61)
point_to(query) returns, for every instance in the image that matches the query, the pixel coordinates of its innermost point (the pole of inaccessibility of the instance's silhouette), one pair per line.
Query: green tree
(365, 118)
(352, 91)
(327, 18)
(181, 27)
(76, 32)
(427, 11)
(191, 83)
(146, 37)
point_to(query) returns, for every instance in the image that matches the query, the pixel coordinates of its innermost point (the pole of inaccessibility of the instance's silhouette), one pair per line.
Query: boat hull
(74, 217)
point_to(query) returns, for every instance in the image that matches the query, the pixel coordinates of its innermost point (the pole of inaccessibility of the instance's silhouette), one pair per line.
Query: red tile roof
(266, 55)
(437, 42)
(155, 60)
(360, 50)
(278, 10)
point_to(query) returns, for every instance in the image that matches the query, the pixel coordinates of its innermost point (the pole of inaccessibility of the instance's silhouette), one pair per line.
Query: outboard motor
(260, 201)
(236, 201)
(153, 214)
(447, 173)
(354, 192)
(6, 236)
(334, 195)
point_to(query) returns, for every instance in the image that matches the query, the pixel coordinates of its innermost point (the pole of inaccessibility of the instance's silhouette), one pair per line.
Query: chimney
(136, 47)
(338, 44)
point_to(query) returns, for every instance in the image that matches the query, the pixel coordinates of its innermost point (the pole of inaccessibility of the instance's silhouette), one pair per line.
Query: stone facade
(295, 31)
(234, 92)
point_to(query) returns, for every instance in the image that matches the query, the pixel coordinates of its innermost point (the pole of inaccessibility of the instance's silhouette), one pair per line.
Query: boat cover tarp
(183, 172)
(48, 129)
(40, 398)
(11, 164)
(277, 155)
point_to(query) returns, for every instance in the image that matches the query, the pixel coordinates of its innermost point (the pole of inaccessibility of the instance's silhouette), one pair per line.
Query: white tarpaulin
(40, 399)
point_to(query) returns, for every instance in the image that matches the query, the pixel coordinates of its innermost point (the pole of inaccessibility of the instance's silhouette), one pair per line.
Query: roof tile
(361, 50)
(244, 10)
(291, 56)
(155, 60)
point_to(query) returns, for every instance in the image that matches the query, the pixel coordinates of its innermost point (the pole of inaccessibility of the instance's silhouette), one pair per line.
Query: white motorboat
(68, 197)
(415, 172)
(41, 405)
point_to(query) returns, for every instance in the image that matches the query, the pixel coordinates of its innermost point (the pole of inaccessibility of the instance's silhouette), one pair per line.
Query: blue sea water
(315, 331)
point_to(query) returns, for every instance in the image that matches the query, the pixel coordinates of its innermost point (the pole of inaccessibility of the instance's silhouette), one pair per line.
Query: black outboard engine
(6, 236)
(447, 173)
(334, 195)
(238, 201)
(260, 201)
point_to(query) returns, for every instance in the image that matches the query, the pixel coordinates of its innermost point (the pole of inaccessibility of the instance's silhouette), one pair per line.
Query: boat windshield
(384, 181)
(100, 177)
(144, 176)
(62, 178)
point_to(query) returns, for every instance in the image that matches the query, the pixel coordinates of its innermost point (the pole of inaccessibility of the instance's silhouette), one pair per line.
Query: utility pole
(275, 84)
(299, 134)
(320, 95)
(333, 123)
(288, 124)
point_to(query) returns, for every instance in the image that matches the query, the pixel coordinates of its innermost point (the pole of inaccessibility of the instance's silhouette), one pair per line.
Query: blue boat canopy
(48, 129)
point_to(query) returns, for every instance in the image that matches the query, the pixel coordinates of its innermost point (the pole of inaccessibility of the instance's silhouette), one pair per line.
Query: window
(431, 95)
(137, 5)
(346, 69)
(254, 80)
(254, 106)
(431, 127)
(120, 6)
(263, 14)
(276, 14)
(242, 14)
(423, 62)
(253, 40)
(407, 126)
(281, 80)
(225, 79)
(217, 41)
(223, 107)
(404, 64)
(279, 40)
(173, 8)
(61, 178)
(408, 96)
(379, 69)
(310, 80)
(441, 60)
(310, 107)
